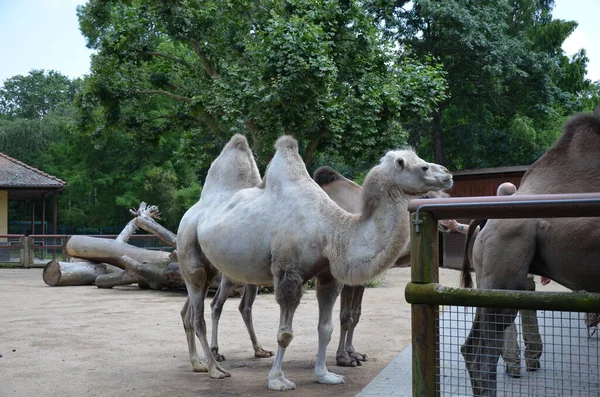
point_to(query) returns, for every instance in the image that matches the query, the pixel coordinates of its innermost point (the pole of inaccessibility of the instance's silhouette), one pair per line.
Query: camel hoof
(218, 357)
(281, 384)
(513, 371)
(533, 366)
(330, 378)
(262, 353)
(359, 356)
(219, 373)
(347, 361)
(197, 366)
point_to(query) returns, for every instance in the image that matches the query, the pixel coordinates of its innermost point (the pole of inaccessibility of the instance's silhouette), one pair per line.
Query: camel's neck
(372, 242)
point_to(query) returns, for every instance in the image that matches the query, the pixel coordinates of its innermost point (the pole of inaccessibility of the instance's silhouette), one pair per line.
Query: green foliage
(506, 73)
(469, 84)
(35, 95)
(318, 70)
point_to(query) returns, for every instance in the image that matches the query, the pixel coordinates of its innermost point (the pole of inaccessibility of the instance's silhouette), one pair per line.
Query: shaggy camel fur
(348, 195)
(286, 230)
(565, 250)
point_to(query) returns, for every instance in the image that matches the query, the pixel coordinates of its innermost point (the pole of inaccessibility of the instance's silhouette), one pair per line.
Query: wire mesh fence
(553, 356)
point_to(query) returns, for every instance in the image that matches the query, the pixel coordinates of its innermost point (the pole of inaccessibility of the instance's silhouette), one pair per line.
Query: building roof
(486, 171)
(23, 181)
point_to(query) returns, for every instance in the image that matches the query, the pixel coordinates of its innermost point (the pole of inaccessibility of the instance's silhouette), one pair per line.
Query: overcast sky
(44, 34)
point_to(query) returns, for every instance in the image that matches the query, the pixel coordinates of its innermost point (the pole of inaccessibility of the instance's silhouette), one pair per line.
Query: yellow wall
(3, 212)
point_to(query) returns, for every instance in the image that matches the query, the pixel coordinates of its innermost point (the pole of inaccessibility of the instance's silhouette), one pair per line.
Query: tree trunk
(105, 250)
(153, 269)
(114, 279)
(72, 273)
(438, 138)
(109, 263)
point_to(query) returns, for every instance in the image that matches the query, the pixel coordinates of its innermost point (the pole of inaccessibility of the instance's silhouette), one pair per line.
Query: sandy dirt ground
(127, 342)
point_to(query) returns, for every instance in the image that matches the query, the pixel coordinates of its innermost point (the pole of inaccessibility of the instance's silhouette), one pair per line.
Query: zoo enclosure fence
(36, 250)
(442, 316)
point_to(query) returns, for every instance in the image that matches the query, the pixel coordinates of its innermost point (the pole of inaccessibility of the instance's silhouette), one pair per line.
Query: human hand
(451, 224)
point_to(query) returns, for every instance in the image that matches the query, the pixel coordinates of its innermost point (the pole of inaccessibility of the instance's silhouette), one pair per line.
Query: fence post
(26, 252)
(424, 269)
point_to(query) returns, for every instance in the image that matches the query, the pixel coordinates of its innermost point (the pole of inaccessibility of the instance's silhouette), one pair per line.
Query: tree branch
(166, 56)
(254, 133)
(165, 93)
(210, 70)
(312, 146)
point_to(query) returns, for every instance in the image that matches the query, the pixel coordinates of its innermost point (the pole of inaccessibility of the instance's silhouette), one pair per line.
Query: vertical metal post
(425, 336)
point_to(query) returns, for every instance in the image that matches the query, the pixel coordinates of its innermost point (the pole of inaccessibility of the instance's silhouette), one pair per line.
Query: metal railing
(36, 250)
(426, 295)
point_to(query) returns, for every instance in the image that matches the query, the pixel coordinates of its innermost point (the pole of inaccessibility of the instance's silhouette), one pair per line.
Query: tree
(204, 70)
(35, 95)
(509, 83)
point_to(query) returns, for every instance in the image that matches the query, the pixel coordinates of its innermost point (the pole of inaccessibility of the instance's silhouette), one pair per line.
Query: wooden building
(470, 183)
(21, 182)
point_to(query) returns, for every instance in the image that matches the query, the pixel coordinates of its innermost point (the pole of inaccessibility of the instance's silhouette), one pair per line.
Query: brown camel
(563, 249)
(285, 231)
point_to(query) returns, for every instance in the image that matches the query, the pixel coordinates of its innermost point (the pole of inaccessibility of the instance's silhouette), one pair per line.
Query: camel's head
(413, 175)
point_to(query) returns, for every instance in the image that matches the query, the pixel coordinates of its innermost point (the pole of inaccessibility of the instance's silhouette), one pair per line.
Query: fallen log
(72, 273)
(109, 263)
(154, 269)
(104, 250)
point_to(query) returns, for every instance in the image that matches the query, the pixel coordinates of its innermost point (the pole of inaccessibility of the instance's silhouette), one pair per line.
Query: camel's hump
(286, 142)
(325, 175)
(238, 141)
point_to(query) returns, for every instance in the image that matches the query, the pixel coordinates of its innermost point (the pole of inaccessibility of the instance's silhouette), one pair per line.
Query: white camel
(286, 230)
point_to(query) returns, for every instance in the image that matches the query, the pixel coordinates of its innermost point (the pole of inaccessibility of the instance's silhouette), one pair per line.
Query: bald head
(506, 189)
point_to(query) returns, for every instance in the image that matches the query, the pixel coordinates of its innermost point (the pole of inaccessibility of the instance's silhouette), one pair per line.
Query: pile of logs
(108, 263)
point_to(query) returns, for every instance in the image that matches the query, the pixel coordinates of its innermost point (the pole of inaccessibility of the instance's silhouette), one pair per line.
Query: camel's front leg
(328, 290)
(245, 308)
(288, 291)
(350, 311)
(216, 305)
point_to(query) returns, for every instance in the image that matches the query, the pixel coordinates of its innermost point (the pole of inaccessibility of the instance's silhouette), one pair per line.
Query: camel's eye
(425, 168)
(400, 163)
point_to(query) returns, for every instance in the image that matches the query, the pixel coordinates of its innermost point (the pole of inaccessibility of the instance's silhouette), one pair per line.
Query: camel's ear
(597, 110)
(399, 163)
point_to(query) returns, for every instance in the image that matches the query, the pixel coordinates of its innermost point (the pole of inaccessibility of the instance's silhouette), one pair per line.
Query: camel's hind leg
(201, 279)
(216, 306)
(328, 290)
(350, 311)
(245, 309)
(188, 326)
(288, 291)
(198, 273)
(483, 346)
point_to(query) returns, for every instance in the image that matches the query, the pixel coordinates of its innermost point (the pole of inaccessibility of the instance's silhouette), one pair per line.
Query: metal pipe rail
(426, 295)
(516, 206)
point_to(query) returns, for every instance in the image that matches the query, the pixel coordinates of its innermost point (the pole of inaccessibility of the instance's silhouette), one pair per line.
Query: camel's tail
(467, 280)
(325, 175)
